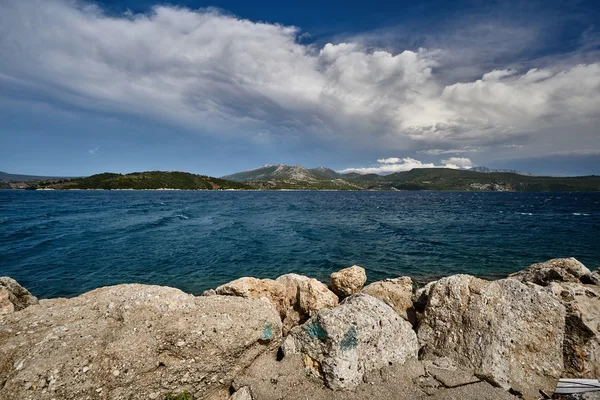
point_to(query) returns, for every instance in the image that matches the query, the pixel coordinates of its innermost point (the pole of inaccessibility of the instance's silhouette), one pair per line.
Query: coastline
(305, 334)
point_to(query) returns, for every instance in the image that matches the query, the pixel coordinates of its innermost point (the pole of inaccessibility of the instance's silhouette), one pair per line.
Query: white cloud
(216, 73)
(391, 160)
(394, 164)
(496, 75)
(93, 151)
(458, 163)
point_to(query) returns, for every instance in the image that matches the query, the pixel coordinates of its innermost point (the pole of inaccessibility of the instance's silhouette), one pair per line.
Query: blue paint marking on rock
(267, 332)
(315, 330)
(349, 341)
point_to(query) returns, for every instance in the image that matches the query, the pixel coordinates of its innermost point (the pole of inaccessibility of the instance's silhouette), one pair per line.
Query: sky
(217, 87)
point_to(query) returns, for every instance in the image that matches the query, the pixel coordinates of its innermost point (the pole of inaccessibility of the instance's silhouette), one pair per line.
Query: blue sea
(66, 243)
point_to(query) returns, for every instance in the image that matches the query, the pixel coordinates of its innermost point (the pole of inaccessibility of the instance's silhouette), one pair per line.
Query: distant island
(285, 177)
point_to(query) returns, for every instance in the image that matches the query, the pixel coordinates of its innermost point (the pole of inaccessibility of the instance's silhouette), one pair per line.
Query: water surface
(66, 243)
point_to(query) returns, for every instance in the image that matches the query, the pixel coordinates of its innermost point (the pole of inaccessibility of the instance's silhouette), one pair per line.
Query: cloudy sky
(216, 87)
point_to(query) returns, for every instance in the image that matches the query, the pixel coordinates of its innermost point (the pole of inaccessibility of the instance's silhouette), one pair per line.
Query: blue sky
(222, 86)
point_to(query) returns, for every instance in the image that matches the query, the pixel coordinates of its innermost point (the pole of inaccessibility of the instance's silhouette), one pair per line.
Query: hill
(483, 179)
(287, 177)
(278, 172)
(452, 179)
(488, 170)
(147, 180)
(6, 177)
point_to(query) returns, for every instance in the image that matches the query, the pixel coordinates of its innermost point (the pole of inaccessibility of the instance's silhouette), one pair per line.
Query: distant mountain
(282, 176)
(6, 177)
(487, 170)
(280, 172)
(453, 179)
(287, 177)
(327, 173)
(147, 180)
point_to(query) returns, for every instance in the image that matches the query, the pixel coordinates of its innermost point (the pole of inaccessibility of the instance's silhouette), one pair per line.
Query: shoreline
(298, 330)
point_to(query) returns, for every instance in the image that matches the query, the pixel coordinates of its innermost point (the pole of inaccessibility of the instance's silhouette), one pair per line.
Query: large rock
(511, 334)
(296, 297)
(557, 269)
(582, 328)
(14, 297)
(306, 297)
(348, 281)
(270, 379)
(132, 342)
(360, 335)
(255, 288)
(595, 277)
(396, 293)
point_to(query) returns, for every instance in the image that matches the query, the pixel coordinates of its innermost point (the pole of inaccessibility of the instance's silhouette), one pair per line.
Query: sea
(64, 243)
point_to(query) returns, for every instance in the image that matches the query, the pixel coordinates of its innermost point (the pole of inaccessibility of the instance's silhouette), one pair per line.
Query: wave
(584, 214)
(157, 223)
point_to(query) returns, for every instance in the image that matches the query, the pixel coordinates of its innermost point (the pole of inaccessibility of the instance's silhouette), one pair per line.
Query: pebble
(85, 369)
(116, 372)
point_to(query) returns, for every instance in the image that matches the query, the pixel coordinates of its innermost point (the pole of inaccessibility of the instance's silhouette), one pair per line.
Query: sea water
(64, 243)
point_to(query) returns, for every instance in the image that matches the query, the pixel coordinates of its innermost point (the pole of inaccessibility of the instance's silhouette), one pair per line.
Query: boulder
(396, 293)
(307, 295)
(509, 333)
(254, 288)
(582, 328)
(595, 277)
(243, 393)
(348, 281)
(557, 269)
(421, 297)
(14, 297)
(360, 335)
(133, 342)
(270, 379)
(296, 297)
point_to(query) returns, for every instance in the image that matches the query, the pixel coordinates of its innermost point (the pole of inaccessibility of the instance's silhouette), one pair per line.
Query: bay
(64, 243)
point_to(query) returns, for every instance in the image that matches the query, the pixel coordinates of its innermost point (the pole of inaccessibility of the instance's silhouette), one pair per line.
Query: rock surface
(270, 379)
(14, 297)
(296, 297)
(396, 293)
(511, 334)
(306, 296)
(595, 277)
(582, 328)
(348, 281)
(557, 269)
(242, 393)
(132, 342)
(254, 288)
(362, 334)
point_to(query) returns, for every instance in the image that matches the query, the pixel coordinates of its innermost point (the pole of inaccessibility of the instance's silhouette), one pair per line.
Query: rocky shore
(294, 337)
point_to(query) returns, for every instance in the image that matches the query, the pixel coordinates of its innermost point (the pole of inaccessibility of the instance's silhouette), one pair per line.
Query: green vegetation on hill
(147, 180)
(283, 177)
(451, 179)
(336, 184)
(280, 172)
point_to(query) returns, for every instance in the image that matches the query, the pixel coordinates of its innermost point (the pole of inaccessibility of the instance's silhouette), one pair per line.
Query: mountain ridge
(482, 178)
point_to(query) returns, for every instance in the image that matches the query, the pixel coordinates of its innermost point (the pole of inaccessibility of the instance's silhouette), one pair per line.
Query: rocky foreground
(295, 338)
